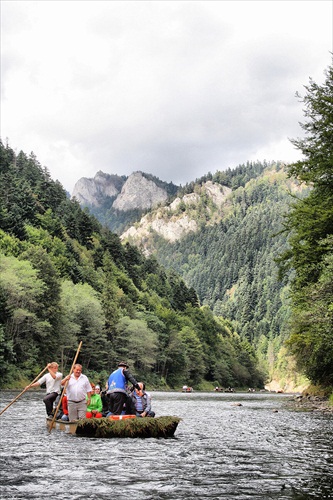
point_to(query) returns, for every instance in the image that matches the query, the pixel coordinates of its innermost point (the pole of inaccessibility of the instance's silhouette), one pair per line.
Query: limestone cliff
(133, 193)
(182, 216)
(139, 193)
(92, 192)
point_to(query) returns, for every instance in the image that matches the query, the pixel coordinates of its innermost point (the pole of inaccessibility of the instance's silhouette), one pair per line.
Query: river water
(262, 449)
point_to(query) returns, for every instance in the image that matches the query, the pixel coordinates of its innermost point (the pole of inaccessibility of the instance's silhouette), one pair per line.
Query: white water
(260, 450)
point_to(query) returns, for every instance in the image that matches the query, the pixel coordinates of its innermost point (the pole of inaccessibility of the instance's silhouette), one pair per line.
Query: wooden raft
(159, 427)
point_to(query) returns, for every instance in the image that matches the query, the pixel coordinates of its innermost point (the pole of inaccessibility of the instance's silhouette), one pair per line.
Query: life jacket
(117, 382)
(121, 417)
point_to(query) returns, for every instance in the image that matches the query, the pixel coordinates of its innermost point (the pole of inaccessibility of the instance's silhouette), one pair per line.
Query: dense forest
(65, 278)
(232, 264)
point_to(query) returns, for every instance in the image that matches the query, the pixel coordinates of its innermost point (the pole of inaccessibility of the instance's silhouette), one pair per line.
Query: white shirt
(77, 388)
(52, 384)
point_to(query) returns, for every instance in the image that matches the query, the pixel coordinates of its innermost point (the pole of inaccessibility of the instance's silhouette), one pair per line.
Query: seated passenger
(94, 409)
(64, 408)
(142, 402)
(105, 401)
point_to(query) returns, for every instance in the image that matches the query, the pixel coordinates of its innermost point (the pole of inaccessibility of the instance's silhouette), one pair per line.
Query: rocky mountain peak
(135, 192)
(92, 191)
(139, 193)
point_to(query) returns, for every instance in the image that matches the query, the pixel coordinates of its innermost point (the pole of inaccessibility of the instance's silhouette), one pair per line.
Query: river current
(227, 446)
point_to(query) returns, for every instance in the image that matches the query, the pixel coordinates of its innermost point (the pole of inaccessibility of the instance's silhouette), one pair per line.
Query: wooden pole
(64, 389)
(28, 386)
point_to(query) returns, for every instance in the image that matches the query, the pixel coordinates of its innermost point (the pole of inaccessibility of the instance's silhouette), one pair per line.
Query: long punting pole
(64, 389)
(28, 386)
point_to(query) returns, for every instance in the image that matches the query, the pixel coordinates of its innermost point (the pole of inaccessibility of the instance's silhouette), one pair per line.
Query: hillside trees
(310, 225)
(48, 308)
(231, 264)
(65, 278)
(22, 321)
(138, 343)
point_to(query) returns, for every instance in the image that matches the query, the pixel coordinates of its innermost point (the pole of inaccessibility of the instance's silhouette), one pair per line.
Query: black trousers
(116, 402)
(49, 400)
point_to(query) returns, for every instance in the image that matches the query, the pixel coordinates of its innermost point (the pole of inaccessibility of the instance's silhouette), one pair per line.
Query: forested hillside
(232, 263)
(65, 278)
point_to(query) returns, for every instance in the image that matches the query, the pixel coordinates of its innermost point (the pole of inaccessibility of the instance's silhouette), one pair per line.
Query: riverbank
(311, 403)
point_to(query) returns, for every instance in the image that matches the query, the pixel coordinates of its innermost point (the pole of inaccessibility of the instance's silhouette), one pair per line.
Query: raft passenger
(142, 402)
(94, 409)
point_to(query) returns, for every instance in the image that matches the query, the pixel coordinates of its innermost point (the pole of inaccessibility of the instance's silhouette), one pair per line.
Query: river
(227, 446)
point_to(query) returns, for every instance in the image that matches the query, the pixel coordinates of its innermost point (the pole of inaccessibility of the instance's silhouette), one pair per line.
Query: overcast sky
(172, 88)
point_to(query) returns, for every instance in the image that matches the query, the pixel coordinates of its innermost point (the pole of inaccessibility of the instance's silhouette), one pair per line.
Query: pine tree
(310, 225)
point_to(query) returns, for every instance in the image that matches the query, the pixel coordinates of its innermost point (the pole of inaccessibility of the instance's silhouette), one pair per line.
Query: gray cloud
(175, 89)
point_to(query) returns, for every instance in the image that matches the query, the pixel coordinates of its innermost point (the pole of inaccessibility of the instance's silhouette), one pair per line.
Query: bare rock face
(139, 193)
(92, 191)
(171, 222)
(136, 192)
(217, 193)
(171, 230)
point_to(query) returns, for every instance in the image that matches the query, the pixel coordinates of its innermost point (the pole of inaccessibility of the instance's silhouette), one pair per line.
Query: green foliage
(83, 320)
(137, 343)
(232, 267)
(194, 368)
(110, 297)
(65, 278)
(311, 340)
(310, 225)
(316, 146)
(233, 178)
(22, 317)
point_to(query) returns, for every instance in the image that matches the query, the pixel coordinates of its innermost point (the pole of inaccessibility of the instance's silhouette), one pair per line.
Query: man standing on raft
(79, 393)
(52, 381)
(117, 388)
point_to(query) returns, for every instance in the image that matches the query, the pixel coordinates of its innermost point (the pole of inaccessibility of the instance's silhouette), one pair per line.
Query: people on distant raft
(78, 388)
(118, 387)
(94, 409)
(52, 381)
(142, 402)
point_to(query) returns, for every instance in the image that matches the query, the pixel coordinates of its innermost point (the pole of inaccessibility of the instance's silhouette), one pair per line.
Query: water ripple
(259, 450)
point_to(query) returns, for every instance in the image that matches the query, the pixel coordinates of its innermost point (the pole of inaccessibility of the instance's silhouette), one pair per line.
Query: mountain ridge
(139, 190)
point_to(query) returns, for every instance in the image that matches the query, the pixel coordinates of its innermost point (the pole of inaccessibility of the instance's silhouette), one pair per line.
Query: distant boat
(187, 389)
(159, 427)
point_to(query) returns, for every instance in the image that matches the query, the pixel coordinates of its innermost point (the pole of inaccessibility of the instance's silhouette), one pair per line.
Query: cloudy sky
(172, 88)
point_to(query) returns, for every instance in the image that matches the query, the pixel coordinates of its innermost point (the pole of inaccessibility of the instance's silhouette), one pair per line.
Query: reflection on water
(259, 450)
